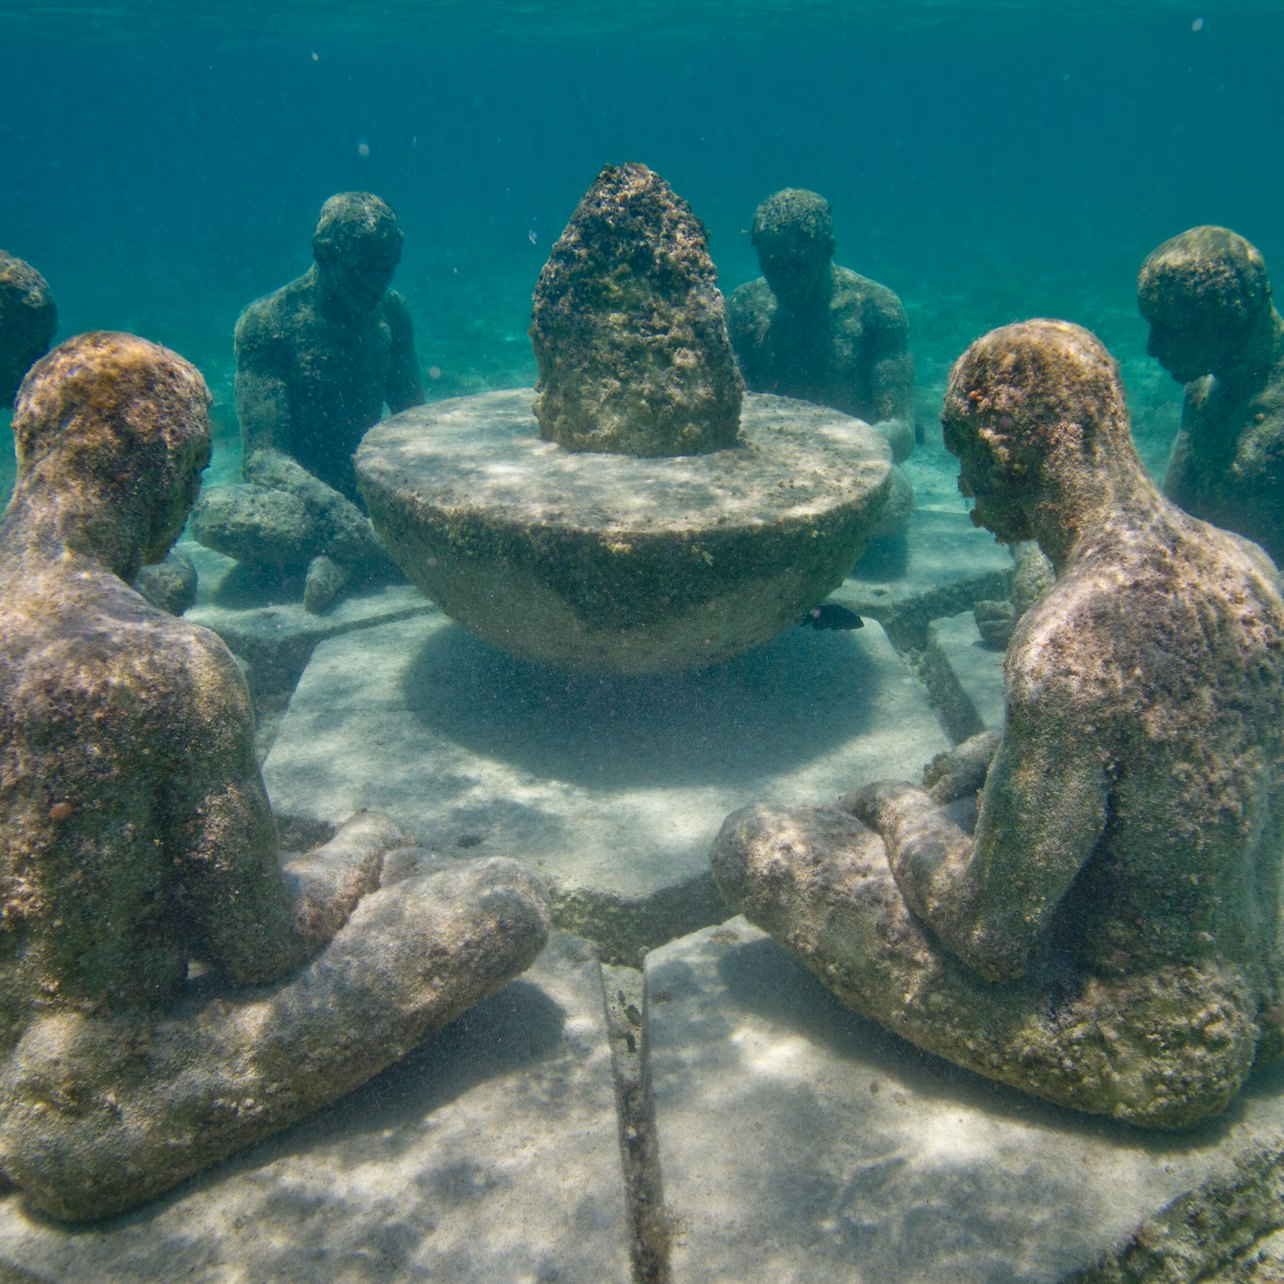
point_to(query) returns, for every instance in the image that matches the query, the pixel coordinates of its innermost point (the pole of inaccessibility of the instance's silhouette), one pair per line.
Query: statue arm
(262, 386)
(744, 327)
(253, 920)
(405, 383)
(892, 373)
(990, 896)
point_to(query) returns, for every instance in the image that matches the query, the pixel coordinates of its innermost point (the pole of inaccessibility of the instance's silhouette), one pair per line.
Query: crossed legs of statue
(818, 881)
(104, 1113)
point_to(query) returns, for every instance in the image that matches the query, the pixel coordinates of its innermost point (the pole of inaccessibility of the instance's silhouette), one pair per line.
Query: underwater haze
(988, 162)
(605, 700)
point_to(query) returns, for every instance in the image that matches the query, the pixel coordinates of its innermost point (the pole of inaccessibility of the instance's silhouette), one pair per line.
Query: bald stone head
(1206, 297)
(356, 246)
(1035, 414)
(28, 320)
(793, 232)
(112, 434)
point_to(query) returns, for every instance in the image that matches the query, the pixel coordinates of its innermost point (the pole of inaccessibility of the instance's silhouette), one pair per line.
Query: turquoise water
(988, 162)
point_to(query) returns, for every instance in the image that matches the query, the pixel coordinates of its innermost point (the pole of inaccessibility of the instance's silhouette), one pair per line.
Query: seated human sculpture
(1103, 930)
(28, 319)
(316, 362)
(1207, 298)
(138, 839)
(812, 330)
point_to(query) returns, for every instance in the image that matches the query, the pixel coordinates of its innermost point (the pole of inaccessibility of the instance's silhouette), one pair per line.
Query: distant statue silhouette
(316, 362)
(1207, 298)
(812, 330)
(28, 320)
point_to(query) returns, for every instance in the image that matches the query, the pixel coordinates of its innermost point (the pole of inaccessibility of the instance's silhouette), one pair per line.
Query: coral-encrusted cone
(629, 328)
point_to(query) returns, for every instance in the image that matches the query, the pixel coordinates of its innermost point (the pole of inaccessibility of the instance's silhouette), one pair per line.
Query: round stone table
(614, 562)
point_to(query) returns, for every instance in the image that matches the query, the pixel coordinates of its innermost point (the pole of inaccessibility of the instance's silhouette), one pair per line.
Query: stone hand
(926, 851)
(327, 882)
(962, 770)
(874, 803)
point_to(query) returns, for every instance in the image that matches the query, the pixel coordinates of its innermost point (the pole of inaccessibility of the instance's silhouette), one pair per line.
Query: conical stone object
(629, 327)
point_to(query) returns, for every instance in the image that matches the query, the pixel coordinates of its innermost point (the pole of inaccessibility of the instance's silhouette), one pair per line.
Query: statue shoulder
(194, 683)
(1060, 648)
(879, 306)
(749, 311)
(753, 296)
(273, 317)
(396, 311)
(149, 674)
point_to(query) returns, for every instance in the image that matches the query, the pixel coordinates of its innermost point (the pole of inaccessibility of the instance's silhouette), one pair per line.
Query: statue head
(356, 246)
(1035, 414)
(793, 232)
(112, 435)
(1206, 296)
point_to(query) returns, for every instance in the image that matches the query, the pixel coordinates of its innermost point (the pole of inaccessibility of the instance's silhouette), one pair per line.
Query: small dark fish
(634, 1016)
(829, 615)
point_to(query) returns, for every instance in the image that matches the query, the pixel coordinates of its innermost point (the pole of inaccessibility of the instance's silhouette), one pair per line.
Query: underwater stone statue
(28, 319)
(629, 328)
(1107, 935)
(812, 330)
(137, 838)
(1207, 298)
(316, 362)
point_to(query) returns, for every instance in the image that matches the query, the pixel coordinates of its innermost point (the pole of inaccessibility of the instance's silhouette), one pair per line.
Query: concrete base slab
(965, 676)
(491, 1153)
(259, 613)
(943, 564)
(612, 787)
(799, 1142)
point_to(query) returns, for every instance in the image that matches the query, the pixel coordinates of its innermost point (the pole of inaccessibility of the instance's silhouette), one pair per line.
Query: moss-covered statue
(28, 320)
(316, 362)
(1207, 298)
(1107, 935)
(136, 839)
(812, 330)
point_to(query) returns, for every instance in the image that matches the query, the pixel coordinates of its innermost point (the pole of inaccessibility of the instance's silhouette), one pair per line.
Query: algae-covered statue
(28, 320)
(316, 362)
(1207, 298)
(1107, 935)
(136, 838)
(810, 329)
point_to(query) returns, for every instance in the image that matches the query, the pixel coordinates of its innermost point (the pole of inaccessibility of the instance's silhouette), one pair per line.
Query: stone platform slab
(259, 614)
(491, 1153)
(798, 1141)
(941, 565)
(612, 787)
(965, 676)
